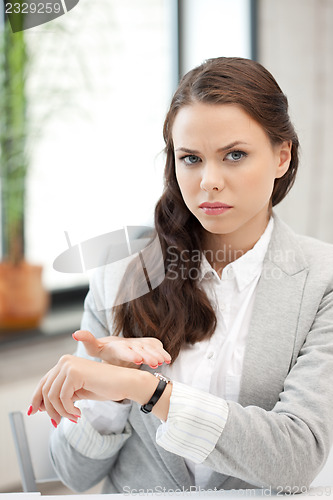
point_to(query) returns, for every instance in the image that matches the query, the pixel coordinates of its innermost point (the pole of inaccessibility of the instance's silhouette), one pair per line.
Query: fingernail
(77, 416)
(74, 421)
(168, 362)
(73, 335)
(160, 364)
(54, 423)
(153, 367)
(29, 410)
(138, 362)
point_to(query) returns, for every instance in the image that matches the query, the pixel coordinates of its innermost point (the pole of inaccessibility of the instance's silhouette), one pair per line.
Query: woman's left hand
(127, 352)
(74, 378)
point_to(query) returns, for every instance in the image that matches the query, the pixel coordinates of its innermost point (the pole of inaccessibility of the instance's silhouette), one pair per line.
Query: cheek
(187, 183)
(256, 182)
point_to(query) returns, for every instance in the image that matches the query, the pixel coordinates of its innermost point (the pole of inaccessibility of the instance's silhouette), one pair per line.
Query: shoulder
(284, 236)
(319, 257)
(315, 250)
(301, 252)
(105, 282)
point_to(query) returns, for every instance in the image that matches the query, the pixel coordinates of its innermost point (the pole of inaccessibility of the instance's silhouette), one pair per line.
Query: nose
(212, 178)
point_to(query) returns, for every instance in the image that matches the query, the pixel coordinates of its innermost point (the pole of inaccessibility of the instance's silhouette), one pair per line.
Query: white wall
(296, 45)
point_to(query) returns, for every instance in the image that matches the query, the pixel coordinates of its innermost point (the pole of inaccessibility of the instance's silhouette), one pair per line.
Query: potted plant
(23, 300)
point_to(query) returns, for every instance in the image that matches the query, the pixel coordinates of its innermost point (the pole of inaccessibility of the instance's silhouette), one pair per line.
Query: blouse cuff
(87, 441)
(195, 422)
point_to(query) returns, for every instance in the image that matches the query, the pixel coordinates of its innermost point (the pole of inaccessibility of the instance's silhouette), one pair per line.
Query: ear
(284, 158)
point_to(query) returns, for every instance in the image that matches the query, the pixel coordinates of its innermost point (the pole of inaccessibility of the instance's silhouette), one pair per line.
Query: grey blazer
(279, 433)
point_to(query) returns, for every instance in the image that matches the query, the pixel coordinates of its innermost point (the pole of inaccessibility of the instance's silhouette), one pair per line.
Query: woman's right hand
(127, 352)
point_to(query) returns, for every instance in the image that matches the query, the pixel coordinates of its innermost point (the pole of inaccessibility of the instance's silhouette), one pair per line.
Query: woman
(245, 314)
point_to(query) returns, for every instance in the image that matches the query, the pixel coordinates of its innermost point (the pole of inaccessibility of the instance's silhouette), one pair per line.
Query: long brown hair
(178, 311)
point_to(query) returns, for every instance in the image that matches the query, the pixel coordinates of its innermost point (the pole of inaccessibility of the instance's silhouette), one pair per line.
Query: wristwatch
(163, 381)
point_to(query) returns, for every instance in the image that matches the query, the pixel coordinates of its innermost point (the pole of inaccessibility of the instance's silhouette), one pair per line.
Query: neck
(222, 249)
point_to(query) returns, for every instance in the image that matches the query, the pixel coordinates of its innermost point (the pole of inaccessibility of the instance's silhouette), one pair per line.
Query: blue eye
(190, 159)
(235, 155)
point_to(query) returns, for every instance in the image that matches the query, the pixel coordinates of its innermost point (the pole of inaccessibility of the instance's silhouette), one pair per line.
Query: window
(213, 28)
(102, 81)
(99, 91)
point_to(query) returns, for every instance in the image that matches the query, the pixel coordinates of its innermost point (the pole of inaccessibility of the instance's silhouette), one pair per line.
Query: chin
(216, 227)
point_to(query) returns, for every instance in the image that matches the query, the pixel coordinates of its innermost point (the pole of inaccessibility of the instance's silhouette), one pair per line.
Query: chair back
(31, 437)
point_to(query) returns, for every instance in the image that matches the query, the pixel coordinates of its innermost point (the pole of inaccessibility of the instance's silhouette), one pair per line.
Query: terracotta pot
(23, 299)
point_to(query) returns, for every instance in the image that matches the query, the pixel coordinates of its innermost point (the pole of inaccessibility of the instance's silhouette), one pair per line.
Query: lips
(214, 208)
(216, 204)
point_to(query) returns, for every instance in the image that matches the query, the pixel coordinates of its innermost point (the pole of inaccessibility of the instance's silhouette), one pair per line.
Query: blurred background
(97, 84)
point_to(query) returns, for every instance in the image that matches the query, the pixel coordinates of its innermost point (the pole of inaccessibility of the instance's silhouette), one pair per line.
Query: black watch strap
(147, 408)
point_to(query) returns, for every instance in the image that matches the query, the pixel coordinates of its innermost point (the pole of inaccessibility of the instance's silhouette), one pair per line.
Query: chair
(31, 437)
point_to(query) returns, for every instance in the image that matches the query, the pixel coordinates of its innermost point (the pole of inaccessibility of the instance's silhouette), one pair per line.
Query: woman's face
(225, 167)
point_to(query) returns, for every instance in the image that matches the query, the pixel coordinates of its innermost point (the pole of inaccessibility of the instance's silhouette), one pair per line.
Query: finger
(67, 397)
(42, 407)
(127, 353)
(49, 380)
(154, 347)
(37, 397)
(56, 397)
(157, 345)
(91, 344)
(166, 356)
(49, 408)
(149, 357)
(83, 336)
(118, 353)
(156, 353)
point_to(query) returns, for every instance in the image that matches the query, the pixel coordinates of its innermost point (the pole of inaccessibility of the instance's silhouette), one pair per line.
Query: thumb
(90, 342)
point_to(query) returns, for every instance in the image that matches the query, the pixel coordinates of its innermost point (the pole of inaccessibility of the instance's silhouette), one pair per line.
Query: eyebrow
(224, 148)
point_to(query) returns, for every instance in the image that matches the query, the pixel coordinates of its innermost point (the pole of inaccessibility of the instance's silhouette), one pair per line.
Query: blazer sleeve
(283, 448)
(80, 454)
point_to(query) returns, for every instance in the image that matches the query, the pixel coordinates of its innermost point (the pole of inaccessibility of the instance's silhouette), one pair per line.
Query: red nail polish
(73, 335)
(54, 423)
(29, 410)
(168, 362)
(138, 362)
(74, 421)
(153, 367)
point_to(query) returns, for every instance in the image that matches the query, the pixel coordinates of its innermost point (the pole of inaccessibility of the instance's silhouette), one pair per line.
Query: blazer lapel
(273, 325)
